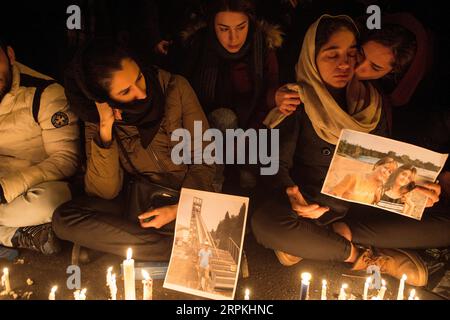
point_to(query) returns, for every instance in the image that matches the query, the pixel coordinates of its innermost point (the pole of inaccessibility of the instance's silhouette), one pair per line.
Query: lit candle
(108, 276)
(83, 294)
(401, 288)
(247, 294)
(5, 280)
(366, 287)
(304, 289)
(129, 277)
(113, 287)
(382, 290)
(342, 294)
(412, 294)
(52, 295)
(323, 296)
(148, 286)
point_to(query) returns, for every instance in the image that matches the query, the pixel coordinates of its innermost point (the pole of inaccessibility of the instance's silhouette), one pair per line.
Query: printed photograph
(208, 242)
(381, 172)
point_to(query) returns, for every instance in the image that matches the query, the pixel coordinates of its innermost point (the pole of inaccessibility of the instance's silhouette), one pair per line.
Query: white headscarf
(327, 117)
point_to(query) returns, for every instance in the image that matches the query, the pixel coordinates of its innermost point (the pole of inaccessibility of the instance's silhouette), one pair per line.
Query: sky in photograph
(214, 207)
(385, 145)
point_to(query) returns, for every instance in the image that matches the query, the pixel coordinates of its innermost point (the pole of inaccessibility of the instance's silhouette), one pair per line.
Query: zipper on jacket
(158, 162)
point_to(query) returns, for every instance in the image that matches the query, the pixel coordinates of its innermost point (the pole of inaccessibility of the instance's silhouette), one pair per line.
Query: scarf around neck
(213, 81)
(364, 103)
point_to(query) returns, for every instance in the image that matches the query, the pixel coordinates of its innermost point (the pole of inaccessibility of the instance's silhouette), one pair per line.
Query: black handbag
(142, 194)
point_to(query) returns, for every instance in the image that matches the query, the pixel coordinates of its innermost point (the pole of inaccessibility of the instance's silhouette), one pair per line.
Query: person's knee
(262, 227)
(62, 222)
(46, 197)
(342, 229)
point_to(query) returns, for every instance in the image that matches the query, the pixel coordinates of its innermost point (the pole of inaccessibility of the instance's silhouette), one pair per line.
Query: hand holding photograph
(383, 173)
(207, 248)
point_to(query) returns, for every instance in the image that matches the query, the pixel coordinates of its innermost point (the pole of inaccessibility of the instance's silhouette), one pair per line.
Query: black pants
(100, 224)
(276, 227)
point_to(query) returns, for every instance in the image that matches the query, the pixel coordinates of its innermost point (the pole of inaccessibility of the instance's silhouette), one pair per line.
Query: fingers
(147, 215)
(117, 114)
(313, 214)
(432, 196)
(435, 187)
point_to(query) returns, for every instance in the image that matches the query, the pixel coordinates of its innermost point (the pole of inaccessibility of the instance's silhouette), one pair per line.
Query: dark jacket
(304, 161)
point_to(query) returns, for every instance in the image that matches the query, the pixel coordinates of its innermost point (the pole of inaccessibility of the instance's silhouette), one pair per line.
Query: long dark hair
(328, 26)
(391, 180)
(94, 65)
(244, 6)
(402, 43)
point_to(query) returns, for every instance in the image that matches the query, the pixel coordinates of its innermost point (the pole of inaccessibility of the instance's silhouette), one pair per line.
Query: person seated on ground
(365, 187)
(397, 189)
(232, 66)
(38, 149)
(299, 221)
(130, 113)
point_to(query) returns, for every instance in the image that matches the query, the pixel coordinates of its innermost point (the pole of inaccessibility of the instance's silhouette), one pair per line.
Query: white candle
(108, 276)
(382, 290)
(412, 294)
(129, 277)
(76, 295)
(52, 295)
(366, 287)
(148, 286)
(401, 288)
(5, 280)
(304, 289)
(342, 294)
(83, 294)
(113, 287)
(323, 296)
(247, 294)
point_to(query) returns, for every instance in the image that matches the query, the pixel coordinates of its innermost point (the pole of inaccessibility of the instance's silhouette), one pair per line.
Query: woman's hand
(432, 191)
(301, 207)
(162, 216)
(162, 47)
(287, 99)
(107, 117)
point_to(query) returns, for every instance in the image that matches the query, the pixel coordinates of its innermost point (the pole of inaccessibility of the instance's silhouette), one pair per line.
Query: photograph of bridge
(208, 244)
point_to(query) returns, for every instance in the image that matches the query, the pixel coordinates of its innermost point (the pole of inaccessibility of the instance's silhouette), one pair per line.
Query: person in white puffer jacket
(39, 148)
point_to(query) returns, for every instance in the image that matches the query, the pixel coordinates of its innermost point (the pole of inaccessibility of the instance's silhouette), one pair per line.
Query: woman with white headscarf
(302, 222)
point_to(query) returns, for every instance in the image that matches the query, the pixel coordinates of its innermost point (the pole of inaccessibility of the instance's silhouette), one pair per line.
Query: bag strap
(40, 84)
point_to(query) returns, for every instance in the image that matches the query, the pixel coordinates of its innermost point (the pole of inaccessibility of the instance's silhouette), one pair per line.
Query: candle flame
(5, 270)
(324, 282)
(404, 277)
(247, 292)
(344, 286)
(413, 293)
(83, 291)
(54, 288)
(306, 276)
(383, 283)
(110, 269)
(129, 253)
(145, 275)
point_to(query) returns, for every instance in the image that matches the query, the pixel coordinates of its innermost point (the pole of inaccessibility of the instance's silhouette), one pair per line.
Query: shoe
(287, 259)
(396, 263)
(39, 238)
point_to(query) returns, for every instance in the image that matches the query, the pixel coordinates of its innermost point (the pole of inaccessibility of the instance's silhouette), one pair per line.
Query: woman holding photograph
(365, 188)
(397, 190)
(296, 221)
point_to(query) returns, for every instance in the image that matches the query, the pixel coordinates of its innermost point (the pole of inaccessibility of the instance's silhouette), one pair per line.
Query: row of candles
(128, 277)
(306, 279)
(130, 289)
